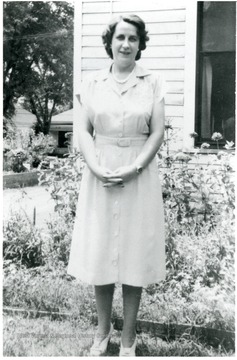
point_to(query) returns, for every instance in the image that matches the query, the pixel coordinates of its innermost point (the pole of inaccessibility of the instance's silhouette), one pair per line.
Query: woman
(119, 227)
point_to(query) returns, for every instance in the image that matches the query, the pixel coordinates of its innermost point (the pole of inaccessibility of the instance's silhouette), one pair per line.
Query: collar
(104, 73)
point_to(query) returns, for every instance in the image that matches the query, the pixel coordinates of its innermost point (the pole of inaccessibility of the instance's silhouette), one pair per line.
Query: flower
(182, 157)
(216, 136)
(205, 146)
(229, 145)
(193, 134)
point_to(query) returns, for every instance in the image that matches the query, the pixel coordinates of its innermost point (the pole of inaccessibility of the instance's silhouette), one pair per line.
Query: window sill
(208, 151)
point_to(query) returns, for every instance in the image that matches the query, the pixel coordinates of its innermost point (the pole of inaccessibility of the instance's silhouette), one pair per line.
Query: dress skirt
(118, 233)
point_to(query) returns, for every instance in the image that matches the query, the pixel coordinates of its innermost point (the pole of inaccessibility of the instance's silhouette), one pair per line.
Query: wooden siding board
(128, 6)
(173, 110)
(174, 99)
(96, 7)
(158, 28)
(175, 87)
(148, 17)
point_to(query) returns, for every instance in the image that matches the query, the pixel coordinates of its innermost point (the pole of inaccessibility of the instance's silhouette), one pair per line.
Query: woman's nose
(125, 43)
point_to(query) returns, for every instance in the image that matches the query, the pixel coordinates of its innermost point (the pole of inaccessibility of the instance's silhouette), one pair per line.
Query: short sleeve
(160, 88)
(83, 95)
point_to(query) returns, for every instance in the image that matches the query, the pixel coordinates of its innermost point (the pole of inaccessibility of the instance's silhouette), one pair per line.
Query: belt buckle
(123, 142)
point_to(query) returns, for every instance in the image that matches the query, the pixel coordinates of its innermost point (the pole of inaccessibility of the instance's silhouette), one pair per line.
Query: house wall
(170, 51)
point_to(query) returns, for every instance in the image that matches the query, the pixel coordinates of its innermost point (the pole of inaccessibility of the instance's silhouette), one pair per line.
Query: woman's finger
(113, 180)
(108, 185)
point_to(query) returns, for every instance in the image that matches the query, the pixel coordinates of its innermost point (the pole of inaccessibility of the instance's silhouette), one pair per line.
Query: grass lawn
(43, 337)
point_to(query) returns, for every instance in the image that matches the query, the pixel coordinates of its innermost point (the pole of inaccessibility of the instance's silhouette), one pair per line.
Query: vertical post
(34, 216)
(190, 72)
(77, 69)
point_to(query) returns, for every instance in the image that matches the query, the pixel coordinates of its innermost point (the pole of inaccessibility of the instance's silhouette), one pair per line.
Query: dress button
(116, 233)
(115, 263)
(116, 216)
(120, 134)
(116, 202)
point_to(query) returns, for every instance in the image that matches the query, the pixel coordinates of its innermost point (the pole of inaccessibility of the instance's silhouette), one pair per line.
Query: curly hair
(132, 19)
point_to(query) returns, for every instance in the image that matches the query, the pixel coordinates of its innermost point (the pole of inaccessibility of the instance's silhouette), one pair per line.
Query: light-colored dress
(119, 232)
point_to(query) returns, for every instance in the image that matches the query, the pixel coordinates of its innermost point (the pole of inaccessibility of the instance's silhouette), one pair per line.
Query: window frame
(198, 88)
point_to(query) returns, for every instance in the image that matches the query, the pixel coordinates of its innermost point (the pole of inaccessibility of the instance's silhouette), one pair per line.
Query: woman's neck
(123, 71)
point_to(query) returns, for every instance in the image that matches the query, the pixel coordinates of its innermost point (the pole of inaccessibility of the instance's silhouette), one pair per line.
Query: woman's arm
(88, 150)
(156, 137)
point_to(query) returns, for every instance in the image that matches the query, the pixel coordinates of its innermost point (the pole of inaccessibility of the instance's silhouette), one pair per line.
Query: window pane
(218, 26)
(218, 95)
(216, 71)
(62, 139)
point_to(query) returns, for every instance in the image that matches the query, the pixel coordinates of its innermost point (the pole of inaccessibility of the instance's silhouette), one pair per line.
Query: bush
(60, 228)
(63, 183)
(24, 150)
(22, 242)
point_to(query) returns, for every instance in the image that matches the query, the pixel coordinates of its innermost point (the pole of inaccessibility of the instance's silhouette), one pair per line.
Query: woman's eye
(133, 39)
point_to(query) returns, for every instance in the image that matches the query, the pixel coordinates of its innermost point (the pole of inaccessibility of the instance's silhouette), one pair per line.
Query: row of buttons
(116, 232)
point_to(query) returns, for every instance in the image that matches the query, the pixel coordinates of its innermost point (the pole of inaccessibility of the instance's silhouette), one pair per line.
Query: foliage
(23, 149)
(22, 242)
(63, 182)
(60, 228)
(199, 209)
(195, 192)
(38, 56)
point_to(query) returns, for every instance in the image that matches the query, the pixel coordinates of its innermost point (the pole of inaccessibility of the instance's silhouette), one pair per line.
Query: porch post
(77, 69)
(190, 73)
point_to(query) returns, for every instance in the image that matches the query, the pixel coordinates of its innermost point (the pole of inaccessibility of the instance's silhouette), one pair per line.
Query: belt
(120, 141)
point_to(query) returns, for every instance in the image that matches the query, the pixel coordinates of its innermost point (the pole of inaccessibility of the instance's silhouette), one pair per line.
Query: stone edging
(19, 180)
(165, 331)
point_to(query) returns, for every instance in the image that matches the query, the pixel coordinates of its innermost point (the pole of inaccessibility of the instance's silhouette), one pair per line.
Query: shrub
(22, 242)
(60, 227)
(23, 149)
(63, 183)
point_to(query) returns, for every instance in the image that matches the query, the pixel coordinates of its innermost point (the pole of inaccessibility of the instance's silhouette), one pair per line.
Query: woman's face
(125, 43)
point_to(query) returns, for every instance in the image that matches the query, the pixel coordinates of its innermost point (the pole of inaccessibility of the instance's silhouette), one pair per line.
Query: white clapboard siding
(153, 28)
(174, 111)
(175, 87)
(131, 6)
(148, 17)
(150, 52)
(155, 40)
(174, 99)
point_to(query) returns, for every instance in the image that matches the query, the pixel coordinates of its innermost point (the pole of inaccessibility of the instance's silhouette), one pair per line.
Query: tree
(38, 58)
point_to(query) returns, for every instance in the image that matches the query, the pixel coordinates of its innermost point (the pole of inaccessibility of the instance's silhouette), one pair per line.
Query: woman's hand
(125, 173)
(106, 176)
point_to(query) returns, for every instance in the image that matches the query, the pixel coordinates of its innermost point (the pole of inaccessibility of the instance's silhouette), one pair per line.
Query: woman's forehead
(125, 27)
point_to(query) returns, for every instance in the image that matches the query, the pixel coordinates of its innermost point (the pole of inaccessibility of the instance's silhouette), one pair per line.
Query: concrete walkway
(27, 198)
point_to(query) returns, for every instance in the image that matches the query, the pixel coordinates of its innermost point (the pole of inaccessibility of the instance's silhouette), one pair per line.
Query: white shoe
(100, 347)
(128, 351)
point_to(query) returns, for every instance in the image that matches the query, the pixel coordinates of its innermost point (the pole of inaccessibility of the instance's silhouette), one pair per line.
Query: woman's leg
(104, 298)
(131, 302)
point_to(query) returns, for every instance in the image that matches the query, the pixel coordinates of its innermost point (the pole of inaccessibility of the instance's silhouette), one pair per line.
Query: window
(215, 108)
(62, 140)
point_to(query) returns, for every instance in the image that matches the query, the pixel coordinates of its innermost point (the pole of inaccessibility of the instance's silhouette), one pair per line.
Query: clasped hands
(117, 177)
